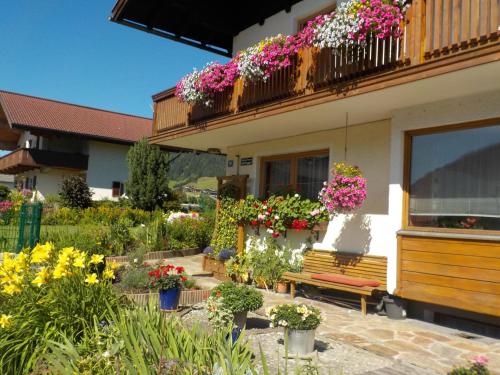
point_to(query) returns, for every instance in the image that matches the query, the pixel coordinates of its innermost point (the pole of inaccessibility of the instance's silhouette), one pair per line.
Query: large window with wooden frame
(453, 177)
(302, 173)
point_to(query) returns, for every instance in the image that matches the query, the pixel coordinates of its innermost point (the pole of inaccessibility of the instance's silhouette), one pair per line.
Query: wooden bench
(357, 269)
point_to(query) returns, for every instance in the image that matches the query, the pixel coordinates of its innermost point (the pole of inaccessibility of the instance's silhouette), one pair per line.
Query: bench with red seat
(354, 273)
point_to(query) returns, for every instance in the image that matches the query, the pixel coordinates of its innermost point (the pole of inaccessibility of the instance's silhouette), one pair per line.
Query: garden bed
(216, 267)
(188, 297)
(155, 255)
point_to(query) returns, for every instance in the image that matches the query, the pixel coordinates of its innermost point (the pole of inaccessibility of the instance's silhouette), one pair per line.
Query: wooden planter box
(217, 267)
(187, 297)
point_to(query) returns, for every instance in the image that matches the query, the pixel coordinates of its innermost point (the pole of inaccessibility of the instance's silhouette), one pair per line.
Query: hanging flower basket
(345, 192)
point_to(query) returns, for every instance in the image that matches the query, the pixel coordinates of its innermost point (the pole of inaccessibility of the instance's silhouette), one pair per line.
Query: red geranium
(299, 224)
(166, 277)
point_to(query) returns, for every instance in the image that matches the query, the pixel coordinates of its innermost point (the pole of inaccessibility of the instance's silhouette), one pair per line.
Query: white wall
(368, 147)
(48, 180)
(107, 163)
(280, 23)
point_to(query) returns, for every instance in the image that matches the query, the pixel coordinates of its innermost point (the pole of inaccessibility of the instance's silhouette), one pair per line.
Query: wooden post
(363, 305)
(241, 238)
(293, 288)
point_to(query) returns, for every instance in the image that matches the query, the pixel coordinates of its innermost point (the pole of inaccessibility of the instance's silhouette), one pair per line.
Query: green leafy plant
(238, 298)
(294, 316)
(238, 267)
(219, 314)
(189, 233)
(477, 366)
(149, 344)
(226, 227)
(45, 295)
(270, 261)
(75, 192)
(4, 193)
(147, 184)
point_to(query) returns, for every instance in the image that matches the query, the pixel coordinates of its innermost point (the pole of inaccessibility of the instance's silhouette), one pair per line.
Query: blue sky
(68, 50)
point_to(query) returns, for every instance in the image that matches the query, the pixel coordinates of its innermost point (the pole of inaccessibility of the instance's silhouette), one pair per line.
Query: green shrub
(238, 298)
(188, 233)
(75, 192)
(477, 366)
(90, 238)
(4, 193)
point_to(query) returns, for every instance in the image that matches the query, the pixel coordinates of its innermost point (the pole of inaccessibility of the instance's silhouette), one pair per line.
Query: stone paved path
(410, 346)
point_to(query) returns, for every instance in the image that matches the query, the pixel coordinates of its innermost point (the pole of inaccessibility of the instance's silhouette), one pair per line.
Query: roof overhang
(209, 25)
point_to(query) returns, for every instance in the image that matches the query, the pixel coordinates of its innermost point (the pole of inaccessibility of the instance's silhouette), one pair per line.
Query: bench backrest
(355, 265)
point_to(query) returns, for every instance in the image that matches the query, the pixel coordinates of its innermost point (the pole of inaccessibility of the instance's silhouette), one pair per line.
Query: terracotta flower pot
(281, 287)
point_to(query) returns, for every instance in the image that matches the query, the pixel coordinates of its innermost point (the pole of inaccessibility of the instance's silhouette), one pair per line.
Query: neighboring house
(7, 180)
(50, 140)
(419, 115)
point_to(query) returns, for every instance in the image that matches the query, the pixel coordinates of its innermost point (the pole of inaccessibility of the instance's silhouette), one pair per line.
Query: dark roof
(45, 115)
(209, 25)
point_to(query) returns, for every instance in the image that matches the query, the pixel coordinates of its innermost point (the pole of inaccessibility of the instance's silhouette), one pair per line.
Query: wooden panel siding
(446, 33)
(464, 274)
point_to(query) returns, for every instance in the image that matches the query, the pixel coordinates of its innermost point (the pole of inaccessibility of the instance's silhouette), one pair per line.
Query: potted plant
(300, 322)
(238, 300)
(168, 279)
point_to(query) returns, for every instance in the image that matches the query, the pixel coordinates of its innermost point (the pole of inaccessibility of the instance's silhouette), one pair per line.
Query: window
(454, 179)
(117, 189)
(303, 173)
(303, 21)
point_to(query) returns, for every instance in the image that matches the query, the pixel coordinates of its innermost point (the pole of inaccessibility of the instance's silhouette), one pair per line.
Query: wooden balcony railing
(22, 160)
(433, 29)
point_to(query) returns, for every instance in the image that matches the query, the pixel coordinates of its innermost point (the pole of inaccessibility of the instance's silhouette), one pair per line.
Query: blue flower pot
(169, 298)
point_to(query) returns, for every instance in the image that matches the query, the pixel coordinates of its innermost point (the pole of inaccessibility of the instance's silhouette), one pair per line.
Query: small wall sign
(246, 161)
(230, 163)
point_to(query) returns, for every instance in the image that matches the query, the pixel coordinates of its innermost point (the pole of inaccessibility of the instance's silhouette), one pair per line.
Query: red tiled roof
(24, 111)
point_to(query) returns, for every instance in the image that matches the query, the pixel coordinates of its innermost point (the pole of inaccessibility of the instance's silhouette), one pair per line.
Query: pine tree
(147, 185)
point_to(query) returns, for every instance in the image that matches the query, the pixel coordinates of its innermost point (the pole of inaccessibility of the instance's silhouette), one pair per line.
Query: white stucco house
(49, 140)
(419, 114)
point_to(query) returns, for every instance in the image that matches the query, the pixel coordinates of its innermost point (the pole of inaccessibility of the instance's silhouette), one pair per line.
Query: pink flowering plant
(478, 366)
(352, 23)
(345, 192)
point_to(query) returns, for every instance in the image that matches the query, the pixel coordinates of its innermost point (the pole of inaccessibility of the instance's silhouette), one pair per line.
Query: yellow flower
(60, 271)
(42, 277)
(80, 260)
(11, 289)
(113, 265)
(67, 251)
(108, 274)
(96, 258)
(41, 253)
(5, 320)
(91, 279)
(8, 262)
(21, 261)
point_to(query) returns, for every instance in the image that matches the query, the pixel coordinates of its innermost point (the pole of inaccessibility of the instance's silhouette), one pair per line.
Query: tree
(75, 192)
(147, 185)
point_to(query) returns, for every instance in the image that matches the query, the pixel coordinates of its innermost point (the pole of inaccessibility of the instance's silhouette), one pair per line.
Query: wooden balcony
(22, 160)
(439, 36)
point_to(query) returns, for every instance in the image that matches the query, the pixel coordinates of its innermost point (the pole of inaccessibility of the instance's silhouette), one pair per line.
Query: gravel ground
(330, 356)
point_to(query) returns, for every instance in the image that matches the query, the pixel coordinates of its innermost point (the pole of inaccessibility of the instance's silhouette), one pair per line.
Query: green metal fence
(19, 227)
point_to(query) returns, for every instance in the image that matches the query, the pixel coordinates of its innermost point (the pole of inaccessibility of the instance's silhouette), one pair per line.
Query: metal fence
(19, 226)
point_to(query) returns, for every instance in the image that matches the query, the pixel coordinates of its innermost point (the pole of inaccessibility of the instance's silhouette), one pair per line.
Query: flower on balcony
(345, 192)
(350, 24)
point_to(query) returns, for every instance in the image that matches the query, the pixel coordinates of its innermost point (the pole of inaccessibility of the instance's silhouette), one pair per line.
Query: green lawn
(201, 183)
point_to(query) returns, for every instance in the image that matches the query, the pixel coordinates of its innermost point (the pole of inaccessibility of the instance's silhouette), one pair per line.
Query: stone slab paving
(410, 346)
(424, 345)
